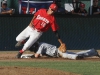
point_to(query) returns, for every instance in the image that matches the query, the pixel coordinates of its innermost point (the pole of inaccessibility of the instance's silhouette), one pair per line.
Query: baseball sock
(21, 51)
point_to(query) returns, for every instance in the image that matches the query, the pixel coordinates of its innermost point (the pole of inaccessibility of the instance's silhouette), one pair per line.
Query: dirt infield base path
(31, 71)
(10, 56)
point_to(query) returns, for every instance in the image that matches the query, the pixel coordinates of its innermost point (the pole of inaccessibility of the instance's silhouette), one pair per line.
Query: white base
(26, 55)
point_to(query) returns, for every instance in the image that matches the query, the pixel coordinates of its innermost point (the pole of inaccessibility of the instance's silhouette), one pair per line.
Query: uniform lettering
(43, 19)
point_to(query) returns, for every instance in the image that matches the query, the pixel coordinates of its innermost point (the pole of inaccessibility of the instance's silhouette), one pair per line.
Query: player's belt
(35, 28)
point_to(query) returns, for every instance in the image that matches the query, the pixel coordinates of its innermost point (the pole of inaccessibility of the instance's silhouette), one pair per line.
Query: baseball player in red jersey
(43, 19)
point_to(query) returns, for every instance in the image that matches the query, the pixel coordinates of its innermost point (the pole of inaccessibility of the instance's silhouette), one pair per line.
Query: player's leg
(34, 36)
(70, 55)
(22, 36)
(88, 53)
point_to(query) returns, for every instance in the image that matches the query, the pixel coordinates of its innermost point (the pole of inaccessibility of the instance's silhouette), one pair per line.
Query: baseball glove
(63, 48)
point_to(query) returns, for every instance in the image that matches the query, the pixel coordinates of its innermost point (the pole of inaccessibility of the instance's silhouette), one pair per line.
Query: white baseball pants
(69, 55)
(33, 35)
(73, 55)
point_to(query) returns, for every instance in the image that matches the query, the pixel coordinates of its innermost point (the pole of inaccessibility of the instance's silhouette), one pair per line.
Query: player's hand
(37, 55)
(63, 48)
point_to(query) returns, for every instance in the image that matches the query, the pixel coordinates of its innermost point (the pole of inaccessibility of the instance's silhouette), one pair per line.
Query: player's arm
(40, 50)
(62, 45)
(55, 27)
(58, 37)
(37, 55)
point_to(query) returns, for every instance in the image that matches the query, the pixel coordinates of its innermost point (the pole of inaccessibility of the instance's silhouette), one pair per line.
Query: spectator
(76, 3)
(95, 8)
(5, 9)
(81, 10)
(69, 8)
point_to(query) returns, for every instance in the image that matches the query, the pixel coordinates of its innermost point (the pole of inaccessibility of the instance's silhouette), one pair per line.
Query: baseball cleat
(18, 44)
(97, 54)
(19, 55)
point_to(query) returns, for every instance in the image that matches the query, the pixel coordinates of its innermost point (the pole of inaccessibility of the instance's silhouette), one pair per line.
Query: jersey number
(43, 24)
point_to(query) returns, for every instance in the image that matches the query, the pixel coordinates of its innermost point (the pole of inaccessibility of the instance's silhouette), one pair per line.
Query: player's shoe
(19, 55)
(18, 44)
(79, 57)
(97, 54)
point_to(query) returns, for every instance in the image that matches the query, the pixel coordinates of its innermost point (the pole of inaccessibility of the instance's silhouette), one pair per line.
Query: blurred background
(15, 4)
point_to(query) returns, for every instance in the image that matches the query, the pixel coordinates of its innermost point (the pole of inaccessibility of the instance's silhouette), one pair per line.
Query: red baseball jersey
(43, 21)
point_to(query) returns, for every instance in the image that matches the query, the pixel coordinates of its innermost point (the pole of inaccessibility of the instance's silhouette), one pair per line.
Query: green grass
(80, 67)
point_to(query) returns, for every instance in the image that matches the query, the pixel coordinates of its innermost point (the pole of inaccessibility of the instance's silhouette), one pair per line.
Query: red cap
(82, 5)
(53, 7)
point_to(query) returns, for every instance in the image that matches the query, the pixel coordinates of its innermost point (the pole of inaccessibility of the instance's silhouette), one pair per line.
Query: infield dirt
(10, 56)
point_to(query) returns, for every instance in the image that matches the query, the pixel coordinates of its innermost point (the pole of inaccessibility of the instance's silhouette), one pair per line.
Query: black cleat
(19, 55)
